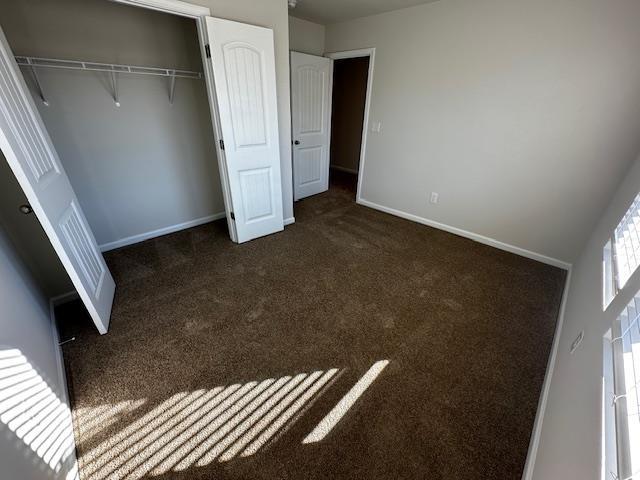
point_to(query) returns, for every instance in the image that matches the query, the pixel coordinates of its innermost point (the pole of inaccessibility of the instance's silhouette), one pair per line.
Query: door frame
(199, 14)
(363, 52)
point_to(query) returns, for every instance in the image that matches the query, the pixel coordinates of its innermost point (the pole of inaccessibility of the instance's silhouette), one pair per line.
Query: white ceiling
(334, 11)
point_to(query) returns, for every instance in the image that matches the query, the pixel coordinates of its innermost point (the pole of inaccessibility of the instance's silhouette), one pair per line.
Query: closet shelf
(105, 67)
(111, 68)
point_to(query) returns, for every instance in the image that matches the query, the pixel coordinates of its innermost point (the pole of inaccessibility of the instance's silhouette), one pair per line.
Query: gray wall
(306, 37)
(522, 115)
(25, 325)
(99, 30)
(27, 235)
(145, 165)
(570, 442)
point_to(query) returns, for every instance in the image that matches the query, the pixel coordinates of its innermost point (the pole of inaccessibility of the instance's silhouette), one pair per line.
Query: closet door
(245, 83)
(26, 145)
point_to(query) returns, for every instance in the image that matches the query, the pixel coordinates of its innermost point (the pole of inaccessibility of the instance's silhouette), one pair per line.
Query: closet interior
(121, 92)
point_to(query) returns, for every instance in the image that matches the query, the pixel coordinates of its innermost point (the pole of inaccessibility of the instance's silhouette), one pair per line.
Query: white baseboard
(344, 169)
(546, 386)
(289, 221)
(464, 233)
(159, 232)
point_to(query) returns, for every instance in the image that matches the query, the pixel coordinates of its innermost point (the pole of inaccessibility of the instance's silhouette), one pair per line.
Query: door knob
(26, 209)
(297, 142)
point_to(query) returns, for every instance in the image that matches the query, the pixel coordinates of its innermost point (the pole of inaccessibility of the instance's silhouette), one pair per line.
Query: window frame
(610, 438)
(610, 284)
(620, 452)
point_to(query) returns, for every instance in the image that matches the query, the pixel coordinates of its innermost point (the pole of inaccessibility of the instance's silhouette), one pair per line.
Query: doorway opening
(330, 101)
(349, 98)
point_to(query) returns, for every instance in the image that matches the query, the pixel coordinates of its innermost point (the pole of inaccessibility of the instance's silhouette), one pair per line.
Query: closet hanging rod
(104, 67)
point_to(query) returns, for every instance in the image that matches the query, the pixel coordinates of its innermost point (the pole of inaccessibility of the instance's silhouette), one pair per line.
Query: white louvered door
(311, 82)
(27, 147)
(245, 83)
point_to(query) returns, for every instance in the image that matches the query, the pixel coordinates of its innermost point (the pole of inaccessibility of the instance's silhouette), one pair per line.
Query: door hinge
(233, 216)
(207, 50)
(221, 144)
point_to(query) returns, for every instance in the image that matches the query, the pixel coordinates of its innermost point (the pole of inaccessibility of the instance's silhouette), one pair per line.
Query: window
(627, 243)
(624, 366)
(621, 254)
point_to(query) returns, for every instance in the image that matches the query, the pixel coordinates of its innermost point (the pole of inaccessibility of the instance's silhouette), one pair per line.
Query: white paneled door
(311, 83)
(28, 149)
(245, 83)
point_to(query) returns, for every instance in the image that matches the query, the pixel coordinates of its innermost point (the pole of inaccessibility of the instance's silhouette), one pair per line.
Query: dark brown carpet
(466, 328)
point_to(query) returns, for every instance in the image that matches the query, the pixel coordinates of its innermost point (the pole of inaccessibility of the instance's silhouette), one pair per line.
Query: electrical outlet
(434, 197)
(576, 343)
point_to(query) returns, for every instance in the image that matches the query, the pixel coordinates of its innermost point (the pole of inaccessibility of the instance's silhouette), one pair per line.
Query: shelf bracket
(114, 86)
(36, 81)
(172, 88)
